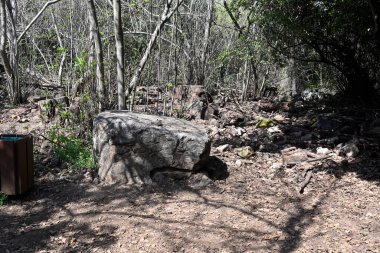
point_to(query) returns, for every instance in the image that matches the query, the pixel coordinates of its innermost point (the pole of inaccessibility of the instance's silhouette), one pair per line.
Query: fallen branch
(309, 174)
(319, 158)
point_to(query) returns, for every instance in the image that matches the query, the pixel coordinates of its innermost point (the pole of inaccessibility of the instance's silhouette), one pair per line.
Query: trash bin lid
(10, 138)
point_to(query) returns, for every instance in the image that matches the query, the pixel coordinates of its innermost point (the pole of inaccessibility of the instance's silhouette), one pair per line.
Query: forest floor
(257, 208)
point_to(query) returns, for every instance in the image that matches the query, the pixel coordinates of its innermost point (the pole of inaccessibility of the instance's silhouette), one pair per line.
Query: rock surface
(133, 146)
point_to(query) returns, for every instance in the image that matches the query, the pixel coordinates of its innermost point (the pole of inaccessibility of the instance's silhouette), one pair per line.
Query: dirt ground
(258, 208)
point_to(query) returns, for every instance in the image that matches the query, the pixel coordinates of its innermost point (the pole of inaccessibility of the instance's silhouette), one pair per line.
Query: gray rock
(222, 148)
(350, 150)
(130, 146)
(199, 181)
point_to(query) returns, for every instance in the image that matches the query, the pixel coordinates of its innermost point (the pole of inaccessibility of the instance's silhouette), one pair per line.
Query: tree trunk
(164, 18)
(118, 27)
(12, 89)
(375, 9)
(94, 29)
(210, 7)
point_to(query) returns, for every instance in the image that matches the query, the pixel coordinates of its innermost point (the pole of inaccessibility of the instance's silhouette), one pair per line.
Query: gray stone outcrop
(132, 146)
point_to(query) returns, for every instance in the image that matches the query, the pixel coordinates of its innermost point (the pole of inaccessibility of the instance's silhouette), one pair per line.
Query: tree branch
(35, 18)
(229, 12)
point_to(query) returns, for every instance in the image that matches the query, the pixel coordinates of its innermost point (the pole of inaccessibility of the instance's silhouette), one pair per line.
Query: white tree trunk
(12, 87)
(119, 54)
(164, 18)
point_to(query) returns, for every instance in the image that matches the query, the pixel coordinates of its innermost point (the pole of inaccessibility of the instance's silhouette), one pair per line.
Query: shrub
(3, 199)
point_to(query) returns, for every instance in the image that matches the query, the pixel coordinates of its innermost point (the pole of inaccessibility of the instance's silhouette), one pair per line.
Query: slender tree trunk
(94, 27)
(210, 7)
(375, 9)
(164, 18)
(119, 54)
(60, 70)
(4, 56)
(245, 81)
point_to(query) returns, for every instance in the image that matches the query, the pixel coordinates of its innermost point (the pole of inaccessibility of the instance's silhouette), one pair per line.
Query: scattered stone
(274, 129)
(279, 118)
(350, 150)
(239, 131)
(88, 177)
(323, 151)
(293, 156)
(276, 166)
(244, 152)
(214, 122)
(23, 120)
(199, 181)
(132, 145)
(238, 163)
(223, 148)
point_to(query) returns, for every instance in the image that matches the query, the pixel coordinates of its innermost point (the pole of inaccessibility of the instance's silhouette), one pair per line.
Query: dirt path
(258, 208)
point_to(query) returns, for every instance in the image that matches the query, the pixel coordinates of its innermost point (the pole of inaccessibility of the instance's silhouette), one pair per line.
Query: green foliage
(180, 112)
(61, 51)
(81, 62)
(12, 129)
(74, 152)
(3, 199)
(263, 122)
(71, 135)
(169, 86)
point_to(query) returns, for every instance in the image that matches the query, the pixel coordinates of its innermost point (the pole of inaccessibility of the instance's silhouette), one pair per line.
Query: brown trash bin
(16, 163)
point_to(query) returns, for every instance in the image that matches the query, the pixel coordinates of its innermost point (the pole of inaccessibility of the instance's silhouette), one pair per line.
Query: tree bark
(12, 89)
(94, 29)
(118, 28)
(35, 18)
(210, 7)
(375, 9)
(164, 18)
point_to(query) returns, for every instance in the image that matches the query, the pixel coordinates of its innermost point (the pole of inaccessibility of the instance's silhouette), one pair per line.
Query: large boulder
(132, 147)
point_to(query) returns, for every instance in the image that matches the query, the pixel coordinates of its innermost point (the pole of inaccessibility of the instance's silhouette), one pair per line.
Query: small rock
(350, 150)
(239, 131)
(214, 122)
(274, 129)
(223, 148)
(244, 152)
(279, 118)
(238, 163)
(23, 120)
(323, 151)
(88, 177)
(199, 181)
(276, 166)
